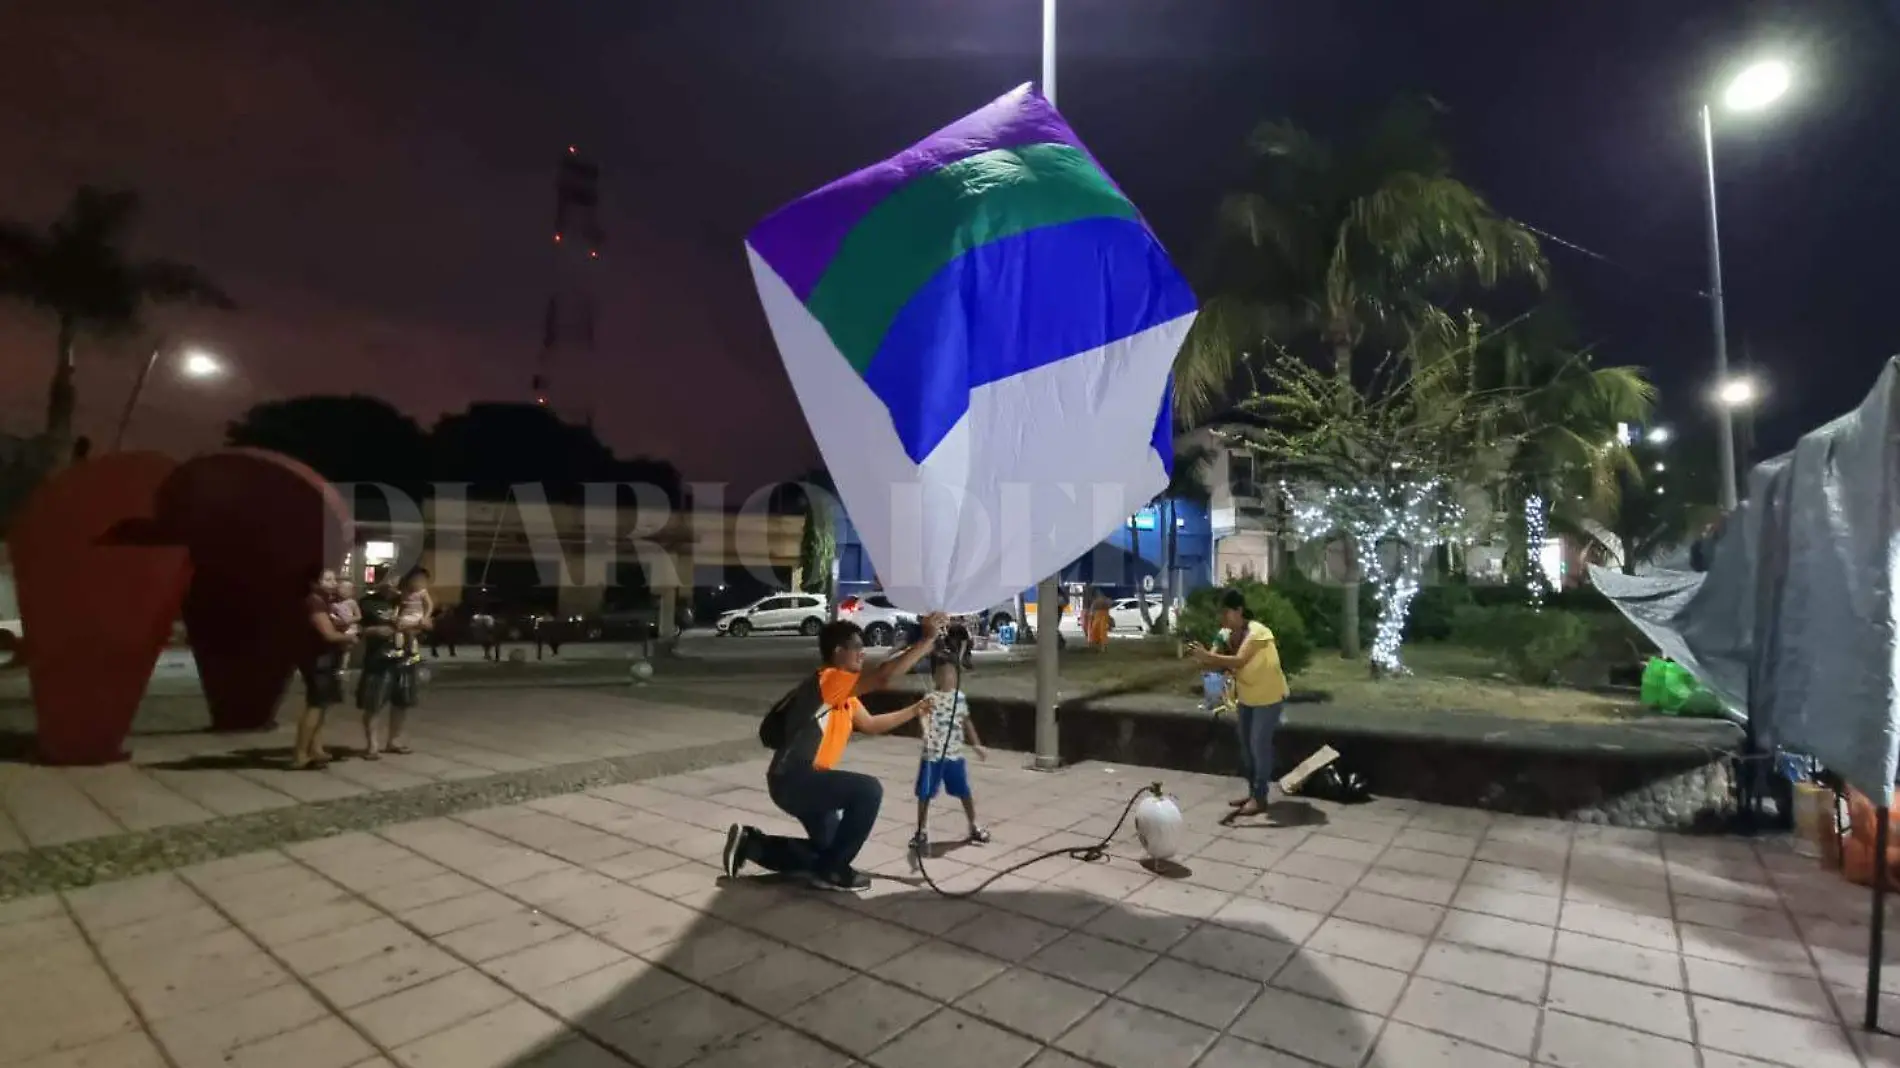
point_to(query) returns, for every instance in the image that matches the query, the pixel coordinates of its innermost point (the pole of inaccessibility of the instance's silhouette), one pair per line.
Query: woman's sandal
(372, 754)
(398, 749)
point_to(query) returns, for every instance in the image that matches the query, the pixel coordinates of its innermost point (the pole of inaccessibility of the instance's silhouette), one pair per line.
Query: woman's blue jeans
(1256, 725)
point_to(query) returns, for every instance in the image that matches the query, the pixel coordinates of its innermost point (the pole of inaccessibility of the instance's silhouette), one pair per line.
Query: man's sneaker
(738, 843)
(979, 835)
(845, 880)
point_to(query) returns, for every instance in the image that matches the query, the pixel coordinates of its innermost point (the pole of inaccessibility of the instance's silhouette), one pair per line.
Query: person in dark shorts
(837, 808)
(321, 668)
(388, 681)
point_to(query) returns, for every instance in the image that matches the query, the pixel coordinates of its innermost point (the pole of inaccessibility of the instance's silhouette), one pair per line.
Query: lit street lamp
(1752, 90)
(195, 364)
(1657, 435)
(1737, 393)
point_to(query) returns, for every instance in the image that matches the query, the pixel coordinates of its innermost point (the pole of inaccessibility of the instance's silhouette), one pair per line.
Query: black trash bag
(1337, 783)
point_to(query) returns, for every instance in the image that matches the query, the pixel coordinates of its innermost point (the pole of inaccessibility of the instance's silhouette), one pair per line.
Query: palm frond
(170, 282)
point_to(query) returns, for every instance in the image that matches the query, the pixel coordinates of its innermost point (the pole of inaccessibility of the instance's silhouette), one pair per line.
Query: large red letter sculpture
(100, 583)
(257, 525)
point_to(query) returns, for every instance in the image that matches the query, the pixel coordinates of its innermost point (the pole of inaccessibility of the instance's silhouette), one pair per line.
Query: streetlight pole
(1048, 592)
(1724, 418)
(132, 401)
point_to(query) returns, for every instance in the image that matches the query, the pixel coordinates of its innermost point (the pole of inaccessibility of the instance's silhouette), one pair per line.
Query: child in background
(945, 727)
(344, 611)
(416, 609)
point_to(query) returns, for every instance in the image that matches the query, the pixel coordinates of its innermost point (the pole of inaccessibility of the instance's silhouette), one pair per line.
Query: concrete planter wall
(1588, 773)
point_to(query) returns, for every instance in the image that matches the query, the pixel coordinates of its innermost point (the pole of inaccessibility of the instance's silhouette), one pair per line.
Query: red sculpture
(258, 526)
(100, 583)
(107, 551)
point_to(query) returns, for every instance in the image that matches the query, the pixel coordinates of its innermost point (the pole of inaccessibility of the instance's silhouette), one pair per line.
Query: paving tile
(864, 943)
(1038, 1005)
(1499, 934)
(507, 933)
(422, 1010)
(1405, 1046)
(613, 992)
(1356, 984)
(1590, 953)
(1478, 1017)
(1393, 913)
(1519, 880)
(109, 905)
(1572, 1042)
(864, 1013)
(206, 1036)
(1124, 1035)
(439, 917)
(1800, 995)
(1144, 928)
(780, 980)
(129, 1050)
(346, 945)
(1249, 956)
(1320, 1031)
(649, 926)
(173, 980)
(553, 962)
(75, 1007)
(499, 1038)
(1312, 895)
(1402, 858)
(952, 1037)
(1634, 1005)
(943, 971)
(382, 975)
(1269, 919)
(1231, 1052)
(713, 948)
(1426, 888)
(325, 1043)
(1617, 925)
(1202, 995)
(772, 1046)
(1483, 969)
(1374, 945)
(1772, 1036)
(1329, 870)
(308, 923)
(1510, 904)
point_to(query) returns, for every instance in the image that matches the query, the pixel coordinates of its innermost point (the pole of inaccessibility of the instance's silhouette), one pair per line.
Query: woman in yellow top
(1259, 687)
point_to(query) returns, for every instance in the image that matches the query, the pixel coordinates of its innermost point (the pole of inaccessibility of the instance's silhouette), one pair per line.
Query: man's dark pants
(838, 810)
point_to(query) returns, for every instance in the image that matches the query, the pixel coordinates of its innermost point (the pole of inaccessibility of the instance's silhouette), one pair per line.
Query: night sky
(373, 179)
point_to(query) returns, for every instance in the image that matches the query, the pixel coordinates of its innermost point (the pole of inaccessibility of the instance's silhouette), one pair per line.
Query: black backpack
(775, 730)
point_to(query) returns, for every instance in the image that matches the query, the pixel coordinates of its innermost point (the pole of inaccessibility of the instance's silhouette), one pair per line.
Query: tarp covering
(980, 331)
(1795, 618)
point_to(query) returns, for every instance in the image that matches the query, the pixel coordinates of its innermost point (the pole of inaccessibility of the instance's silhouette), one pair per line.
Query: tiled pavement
(458, 734)
(589, 929)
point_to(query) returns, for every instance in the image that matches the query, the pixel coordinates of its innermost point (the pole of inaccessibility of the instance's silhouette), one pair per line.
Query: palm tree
(1564, 440)
(1330, 253)
(1187, 482)
(78, 271)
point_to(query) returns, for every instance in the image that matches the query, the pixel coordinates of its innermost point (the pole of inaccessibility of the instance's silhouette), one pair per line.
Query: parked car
(782, 612)
(883, 623)
(1125, 614)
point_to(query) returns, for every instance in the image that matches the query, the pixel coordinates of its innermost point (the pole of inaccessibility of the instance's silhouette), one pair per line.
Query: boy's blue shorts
(950, 775)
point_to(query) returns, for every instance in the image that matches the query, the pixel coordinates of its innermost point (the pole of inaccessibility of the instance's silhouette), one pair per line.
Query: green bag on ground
(1669, 688)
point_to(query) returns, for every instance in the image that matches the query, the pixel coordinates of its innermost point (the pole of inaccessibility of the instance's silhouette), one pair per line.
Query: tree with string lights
(1385, 467)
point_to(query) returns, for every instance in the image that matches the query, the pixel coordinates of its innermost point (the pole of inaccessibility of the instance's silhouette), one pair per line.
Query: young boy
(945, 727)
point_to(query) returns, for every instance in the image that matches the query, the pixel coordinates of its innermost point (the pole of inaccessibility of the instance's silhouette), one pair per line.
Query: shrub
(1200, 620)
(1317, 604)
(1534, 646)
(1434, 613)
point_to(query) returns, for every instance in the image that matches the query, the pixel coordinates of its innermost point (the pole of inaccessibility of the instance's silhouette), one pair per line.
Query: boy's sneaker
(738, 845)
(919, 843)
(979, 835)
(844, 880)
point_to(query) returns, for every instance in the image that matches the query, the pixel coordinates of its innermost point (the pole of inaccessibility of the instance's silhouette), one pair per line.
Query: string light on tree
(1536, 530)
(1410, 515)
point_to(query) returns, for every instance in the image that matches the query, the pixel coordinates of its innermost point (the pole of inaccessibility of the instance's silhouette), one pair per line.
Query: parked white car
(803, 613)
(883, 623)
(1125, 614)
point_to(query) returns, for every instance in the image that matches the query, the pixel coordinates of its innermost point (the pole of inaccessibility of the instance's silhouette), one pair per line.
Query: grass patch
(1445, 678)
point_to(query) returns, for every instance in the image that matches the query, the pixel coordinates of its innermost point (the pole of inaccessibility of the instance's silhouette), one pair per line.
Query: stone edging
(95, 860)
